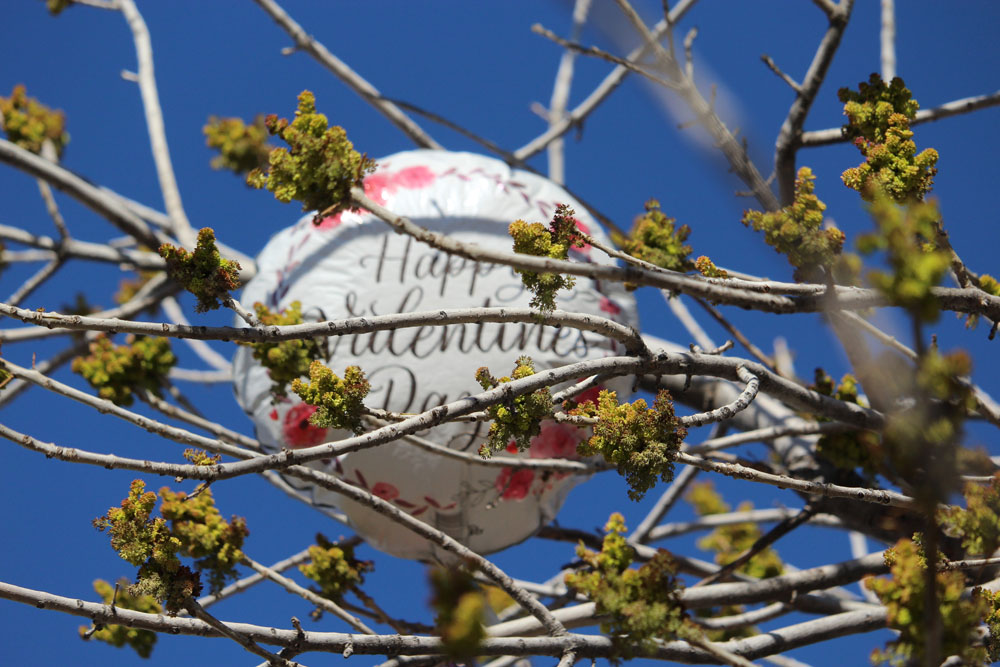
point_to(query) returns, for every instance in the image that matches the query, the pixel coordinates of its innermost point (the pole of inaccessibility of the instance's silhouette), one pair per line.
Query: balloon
(352, 265)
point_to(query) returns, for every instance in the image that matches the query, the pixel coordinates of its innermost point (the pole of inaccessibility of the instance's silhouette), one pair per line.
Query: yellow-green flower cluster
(916, 265)
(339, 402)
(142, 641)
(203, 272)
(978, 525)
(707, 268)
(285, 360)
(460, 607)
(242, 146)
(641, 604)
(853, 449)
(797, 230)
(215, 543)
(879, 117)
(729, 542)
(320, 165)
(554, 242)
(56, 7)
(334, 568)
(116, 371)
(656, 239)
(920, 442)
(195, 530)
(519, 419)
(641, 441)
(904, 597)
(29, 123)
(147, 542)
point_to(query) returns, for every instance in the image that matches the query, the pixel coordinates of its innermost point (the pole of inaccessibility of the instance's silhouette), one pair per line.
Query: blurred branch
(887, 40)
(560, 94)
(605, 88)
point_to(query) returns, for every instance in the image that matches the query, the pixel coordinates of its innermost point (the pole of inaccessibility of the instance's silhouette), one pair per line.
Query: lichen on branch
(879, 118)
(29, 123)
(319, 167)
(516, 420)
(241, 146)
(202, 272)
(554, 242)
(339, 402)
(643, 442)
(285, 360)
(797, 230)
(117, 371)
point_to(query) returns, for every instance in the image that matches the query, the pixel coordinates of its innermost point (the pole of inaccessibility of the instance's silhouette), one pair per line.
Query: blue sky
(479, 65)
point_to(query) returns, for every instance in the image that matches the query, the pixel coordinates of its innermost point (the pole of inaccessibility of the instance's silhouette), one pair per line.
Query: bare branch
(880, 496)
(356, 325)
(180, 225)
(35, 281)
(728, 411)
(102, 203)
(887, 39)
(98, 252)
(791, 130)
(776, 641)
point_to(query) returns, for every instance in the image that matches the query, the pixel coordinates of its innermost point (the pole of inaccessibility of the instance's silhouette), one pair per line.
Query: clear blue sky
(478, 65)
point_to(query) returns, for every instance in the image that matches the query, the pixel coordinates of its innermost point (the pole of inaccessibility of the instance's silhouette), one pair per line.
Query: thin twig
(342, 71)
(321, 602)
(763, 542)
(245, 583)
(835, 135)
(601, 53)
(35, 281)
(793, 84)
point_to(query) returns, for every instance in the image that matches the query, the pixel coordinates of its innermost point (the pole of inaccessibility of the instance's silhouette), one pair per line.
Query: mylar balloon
(353, 265)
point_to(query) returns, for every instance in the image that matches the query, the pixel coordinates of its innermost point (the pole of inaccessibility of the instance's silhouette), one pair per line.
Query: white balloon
(354, 265)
